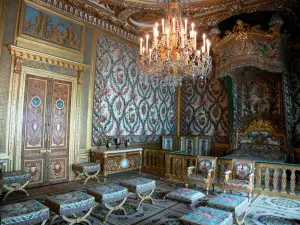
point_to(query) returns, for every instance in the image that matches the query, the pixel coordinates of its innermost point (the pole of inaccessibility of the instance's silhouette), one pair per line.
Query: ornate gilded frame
(45, 43)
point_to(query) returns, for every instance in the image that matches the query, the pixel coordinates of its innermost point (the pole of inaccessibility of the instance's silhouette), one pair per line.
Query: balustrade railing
(277, 179)
(155, 159)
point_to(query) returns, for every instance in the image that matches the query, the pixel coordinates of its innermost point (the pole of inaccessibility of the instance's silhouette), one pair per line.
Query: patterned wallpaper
(295, 92)
(204, 109)
(124, 103)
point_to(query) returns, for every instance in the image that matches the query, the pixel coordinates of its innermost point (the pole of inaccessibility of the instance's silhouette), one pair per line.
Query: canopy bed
(260, 117)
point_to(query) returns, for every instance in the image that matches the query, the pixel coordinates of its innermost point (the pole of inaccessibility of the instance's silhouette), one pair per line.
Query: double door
(46, 123)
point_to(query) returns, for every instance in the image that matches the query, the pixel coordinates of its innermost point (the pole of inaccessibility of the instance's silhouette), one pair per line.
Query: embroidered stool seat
(25, 213)
(88, 169)
(71, 204)
(185, 195)
(15, 181)
(230, 203)
(207, 216)
(142, 187)
(108, 194)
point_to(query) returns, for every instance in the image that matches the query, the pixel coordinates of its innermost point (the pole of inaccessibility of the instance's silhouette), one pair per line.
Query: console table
(118, 160)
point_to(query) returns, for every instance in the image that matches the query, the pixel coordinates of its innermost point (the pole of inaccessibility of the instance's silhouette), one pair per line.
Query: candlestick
(141, 46)
(173, 20)
(163, 26)
(182, 38)
(208, 45)
(203, 49)
(195, 40)
(203, 42)
(147, 42)
(150, 53)
(168, 37)
(143, 50)
(185, 26)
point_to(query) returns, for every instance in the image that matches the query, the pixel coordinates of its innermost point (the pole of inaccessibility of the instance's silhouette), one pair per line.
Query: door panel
(58, 145)
(33, 154)
(46, 124)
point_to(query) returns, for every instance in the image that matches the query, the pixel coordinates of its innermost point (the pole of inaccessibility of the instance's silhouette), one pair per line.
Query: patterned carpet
(264, 210)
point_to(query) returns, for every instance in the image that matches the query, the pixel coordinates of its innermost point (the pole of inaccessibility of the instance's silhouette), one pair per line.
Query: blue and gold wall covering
(125, 104)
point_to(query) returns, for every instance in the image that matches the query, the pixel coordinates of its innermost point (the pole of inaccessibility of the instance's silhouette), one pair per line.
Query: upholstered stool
(88, 169)
(230, 203)
(142, 187)
(207, 216)
(109, 194)
(73, 203)
(24, 213)
(15, 181)
(185, 195)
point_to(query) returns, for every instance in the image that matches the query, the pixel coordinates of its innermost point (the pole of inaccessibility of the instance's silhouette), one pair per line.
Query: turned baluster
(293, 181)
(258, 177)
(275, 180)
(283, 181)
(267, 179)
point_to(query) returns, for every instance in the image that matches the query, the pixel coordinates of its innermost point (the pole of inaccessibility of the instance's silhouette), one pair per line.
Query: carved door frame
(74, 113)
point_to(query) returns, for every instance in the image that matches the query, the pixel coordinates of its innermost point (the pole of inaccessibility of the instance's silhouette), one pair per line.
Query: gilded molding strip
(37, 56)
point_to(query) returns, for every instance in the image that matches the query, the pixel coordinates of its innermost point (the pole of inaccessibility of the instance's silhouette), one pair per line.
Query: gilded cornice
(90, 15)
(114, 15)
(41, 57)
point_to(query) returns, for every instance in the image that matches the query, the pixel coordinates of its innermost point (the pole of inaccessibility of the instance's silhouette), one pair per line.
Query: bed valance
(247, 46)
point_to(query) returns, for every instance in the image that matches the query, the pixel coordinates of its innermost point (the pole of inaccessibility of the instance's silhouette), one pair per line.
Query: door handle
(43, 151)
(48, 150)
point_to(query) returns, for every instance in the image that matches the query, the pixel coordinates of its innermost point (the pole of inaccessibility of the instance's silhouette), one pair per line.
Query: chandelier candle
(173, 56)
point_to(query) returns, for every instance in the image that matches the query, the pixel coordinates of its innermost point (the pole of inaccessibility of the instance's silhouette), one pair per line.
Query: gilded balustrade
(277, 179)
(155, 159)
(274, 179)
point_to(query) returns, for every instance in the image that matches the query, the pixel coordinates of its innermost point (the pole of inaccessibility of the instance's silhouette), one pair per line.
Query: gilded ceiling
(136, 16)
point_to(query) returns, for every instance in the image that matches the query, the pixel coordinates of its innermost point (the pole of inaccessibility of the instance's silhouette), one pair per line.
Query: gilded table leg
(114, 208)
(143, 198)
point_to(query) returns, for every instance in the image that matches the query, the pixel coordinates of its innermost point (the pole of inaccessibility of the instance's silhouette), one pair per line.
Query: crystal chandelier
(172, 56)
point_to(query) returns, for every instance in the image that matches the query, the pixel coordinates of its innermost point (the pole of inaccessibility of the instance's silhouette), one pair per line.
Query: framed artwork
(49, 28)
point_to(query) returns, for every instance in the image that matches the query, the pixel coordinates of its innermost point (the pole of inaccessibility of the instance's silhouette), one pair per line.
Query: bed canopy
(244, 53)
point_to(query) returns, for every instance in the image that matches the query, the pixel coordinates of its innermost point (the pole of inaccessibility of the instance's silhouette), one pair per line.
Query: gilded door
(45, 145)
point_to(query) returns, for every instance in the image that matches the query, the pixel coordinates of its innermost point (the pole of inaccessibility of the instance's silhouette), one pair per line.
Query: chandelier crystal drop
(172, 55)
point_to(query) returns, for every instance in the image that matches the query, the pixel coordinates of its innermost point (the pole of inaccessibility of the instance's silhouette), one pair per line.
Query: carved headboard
(261, 139)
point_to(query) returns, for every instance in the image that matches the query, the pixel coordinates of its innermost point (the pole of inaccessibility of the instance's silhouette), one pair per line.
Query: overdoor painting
(125, 104)
(51, 28)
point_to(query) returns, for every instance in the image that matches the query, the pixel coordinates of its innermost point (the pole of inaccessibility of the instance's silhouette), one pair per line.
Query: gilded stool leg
(143, 198)
(79, 219)
(54, 217)
(115, 208)
(89, 176)
(15, 187)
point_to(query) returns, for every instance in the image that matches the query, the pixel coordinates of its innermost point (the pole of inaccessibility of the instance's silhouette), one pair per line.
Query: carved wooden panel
(58, 134)
(34, 144)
